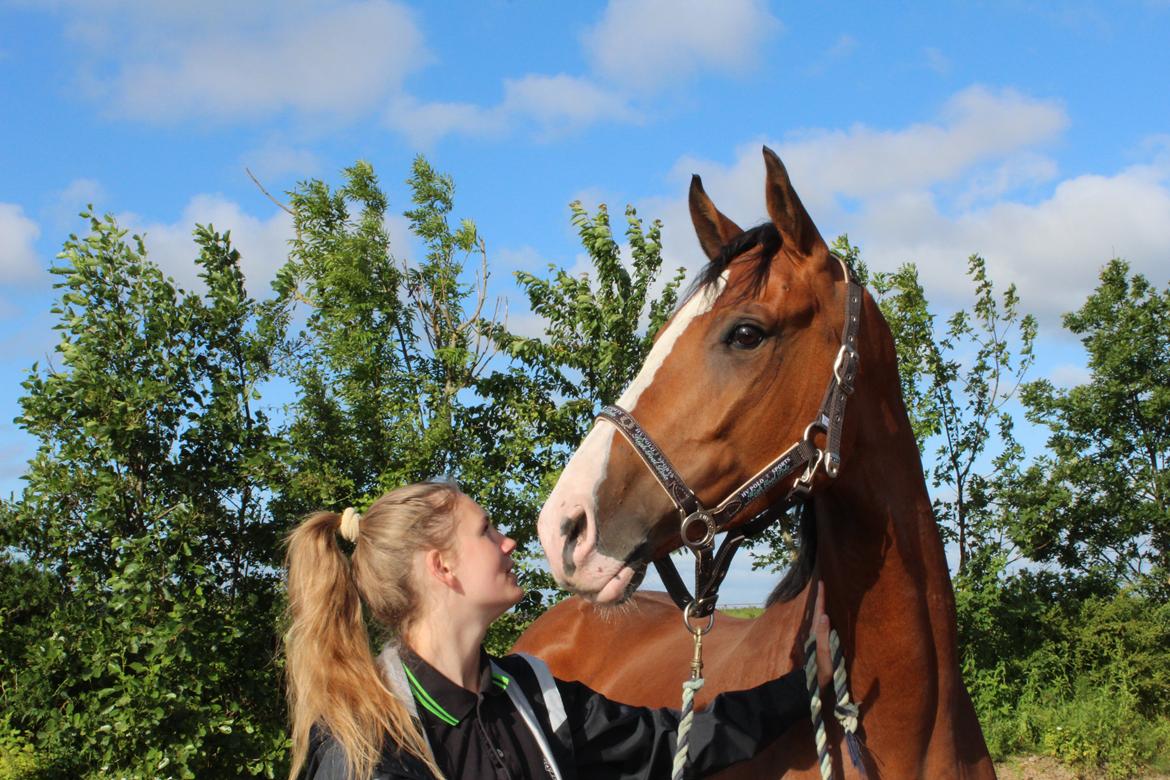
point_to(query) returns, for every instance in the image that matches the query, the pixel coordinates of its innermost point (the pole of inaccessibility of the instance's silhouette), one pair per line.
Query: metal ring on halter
(822, 423)
(700, 516)
(692, 629)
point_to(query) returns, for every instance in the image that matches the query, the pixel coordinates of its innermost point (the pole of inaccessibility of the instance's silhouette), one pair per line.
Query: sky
(1035, 134)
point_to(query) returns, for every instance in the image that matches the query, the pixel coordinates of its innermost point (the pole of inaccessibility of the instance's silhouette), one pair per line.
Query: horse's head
(733, 378)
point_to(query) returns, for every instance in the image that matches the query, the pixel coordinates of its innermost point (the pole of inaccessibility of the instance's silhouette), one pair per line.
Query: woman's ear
(437, 565)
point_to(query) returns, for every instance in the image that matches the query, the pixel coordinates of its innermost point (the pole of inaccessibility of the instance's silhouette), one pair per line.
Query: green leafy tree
(957, 385)
(597, 332)
(392, 367)
(597, 329)
(142, 527)
(1098, 500)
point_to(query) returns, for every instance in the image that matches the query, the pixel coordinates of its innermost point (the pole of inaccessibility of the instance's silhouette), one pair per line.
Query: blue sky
(1037, 134)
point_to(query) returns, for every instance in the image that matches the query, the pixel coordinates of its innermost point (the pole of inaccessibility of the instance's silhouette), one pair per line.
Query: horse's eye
(745, 337)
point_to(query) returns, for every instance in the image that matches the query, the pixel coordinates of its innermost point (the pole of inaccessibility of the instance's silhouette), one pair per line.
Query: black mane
(764, 236)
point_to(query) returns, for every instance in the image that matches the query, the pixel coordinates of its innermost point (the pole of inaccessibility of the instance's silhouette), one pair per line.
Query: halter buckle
(844, 367)
(700, 516)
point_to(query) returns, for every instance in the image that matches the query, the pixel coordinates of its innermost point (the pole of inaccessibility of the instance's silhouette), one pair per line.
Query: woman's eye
(745, 337)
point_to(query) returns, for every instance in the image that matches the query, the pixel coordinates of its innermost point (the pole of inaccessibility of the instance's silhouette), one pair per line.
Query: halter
(699, 524)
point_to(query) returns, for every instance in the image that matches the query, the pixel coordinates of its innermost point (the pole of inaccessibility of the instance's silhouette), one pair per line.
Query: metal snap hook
(806, 478)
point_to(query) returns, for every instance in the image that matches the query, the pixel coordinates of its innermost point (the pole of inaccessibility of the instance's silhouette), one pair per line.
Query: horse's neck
(879, 549)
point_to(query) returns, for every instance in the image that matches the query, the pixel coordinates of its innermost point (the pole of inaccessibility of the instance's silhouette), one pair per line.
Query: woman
(432, 570)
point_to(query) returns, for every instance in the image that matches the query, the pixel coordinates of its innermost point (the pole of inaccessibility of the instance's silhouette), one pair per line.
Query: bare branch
(268, 195)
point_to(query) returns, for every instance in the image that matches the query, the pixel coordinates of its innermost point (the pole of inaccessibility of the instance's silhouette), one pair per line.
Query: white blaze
(579, 483)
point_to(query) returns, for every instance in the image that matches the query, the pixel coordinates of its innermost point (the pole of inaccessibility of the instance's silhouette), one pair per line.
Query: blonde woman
(431, 568)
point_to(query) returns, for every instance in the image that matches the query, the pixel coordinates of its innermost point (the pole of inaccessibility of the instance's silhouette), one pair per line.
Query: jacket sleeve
(614, 740)
(326, 761)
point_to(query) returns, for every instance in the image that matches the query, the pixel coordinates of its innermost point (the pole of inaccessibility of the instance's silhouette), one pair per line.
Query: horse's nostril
(572, 528)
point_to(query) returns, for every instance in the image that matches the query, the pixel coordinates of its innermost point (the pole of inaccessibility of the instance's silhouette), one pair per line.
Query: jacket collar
(446, 701)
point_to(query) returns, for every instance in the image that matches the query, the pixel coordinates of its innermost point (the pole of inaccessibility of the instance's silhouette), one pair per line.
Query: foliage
(597, 331)
(957, 385)
(1100, 498)
(1066, 666)
(139, 568)
(141, 533)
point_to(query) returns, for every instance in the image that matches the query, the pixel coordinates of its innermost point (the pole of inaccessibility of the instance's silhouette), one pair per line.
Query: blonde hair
(333, 678)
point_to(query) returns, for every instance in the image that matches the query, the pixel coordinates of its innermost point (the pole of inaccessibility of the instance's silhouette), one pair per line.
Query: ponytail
(333, 678)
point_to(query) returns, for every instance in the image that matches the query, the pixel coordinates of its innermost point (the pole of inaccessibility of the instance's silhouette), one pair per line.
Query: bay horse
(732, 379)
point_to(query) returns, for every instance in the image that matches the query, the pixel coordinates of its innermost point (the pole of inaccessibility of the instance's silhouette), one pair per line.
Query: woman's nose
(508, 545)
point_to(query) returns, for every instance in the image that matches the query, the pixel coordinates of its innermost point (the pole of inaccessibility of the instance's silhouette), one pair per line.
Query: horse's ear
(714, 229)
(785, 208)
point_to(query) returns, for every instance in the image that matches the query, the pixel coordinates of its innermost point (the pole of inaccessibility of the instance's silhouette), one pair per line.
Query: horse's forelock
(764, 236)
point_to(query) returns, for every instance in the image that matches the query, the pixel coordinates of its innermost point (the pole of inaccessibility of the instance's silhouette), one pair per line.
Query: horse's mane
(798, 574)
(765, 236)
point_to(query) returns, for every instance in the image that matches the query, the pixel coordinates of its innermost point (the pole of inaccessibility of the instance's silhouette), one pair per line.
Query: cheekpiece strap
(653, 457)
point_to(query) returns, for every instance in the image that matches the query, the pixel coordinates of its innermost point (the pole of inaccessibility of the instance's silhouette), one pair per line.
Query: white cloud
(562, 102)
(646, 44)
(262, 242)
(1052, 249)
(18, 235)
(79, 194)
(235, 61)
(1068, 375)
(279, 160)
(545, 105)
(972, 181)
(425, 123)
(937, 61)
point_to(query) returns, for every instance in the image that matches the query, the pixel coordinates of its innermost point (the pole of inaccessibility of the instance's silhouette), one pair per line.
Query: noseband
(700, 524)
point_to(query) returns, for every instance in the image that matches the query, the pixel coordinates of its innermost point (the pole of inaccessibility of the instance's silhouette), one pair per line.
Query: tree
(151, 457)
(957, 386)
(598, 330)
(1099, 500)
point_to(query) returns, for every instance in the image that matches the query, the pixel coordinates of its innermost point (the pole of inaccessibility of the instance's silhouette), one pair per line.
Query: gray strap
(548, 691)
(530, 720)
(395, 677)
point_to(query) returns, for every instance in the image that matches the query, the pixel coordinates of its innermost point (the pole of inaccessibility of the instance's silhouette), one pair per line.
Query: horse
(732, 378)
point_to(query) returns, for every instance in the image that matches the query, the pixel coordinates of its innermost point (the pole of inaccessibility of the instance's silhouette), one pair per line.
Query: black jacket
(600, 738)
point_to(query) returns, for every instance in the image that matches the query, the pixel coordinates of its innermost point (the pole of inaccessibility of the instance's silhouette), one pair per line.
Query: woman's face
(482, 560)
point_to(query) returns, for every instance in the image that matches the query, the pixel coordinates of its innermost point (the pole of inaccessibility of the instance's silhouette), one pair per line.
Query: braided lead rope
(845, 710)
(690, 688)
(824, 760)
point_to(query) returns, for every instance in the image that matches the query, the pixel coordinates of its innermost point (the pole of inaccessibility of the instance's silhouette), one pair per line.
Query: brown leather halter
(699, 524)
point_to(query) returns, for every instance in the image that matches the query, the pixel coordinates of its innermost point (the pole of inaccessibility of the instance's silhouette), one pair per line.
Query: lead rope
(845, 710)
(690, 688)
